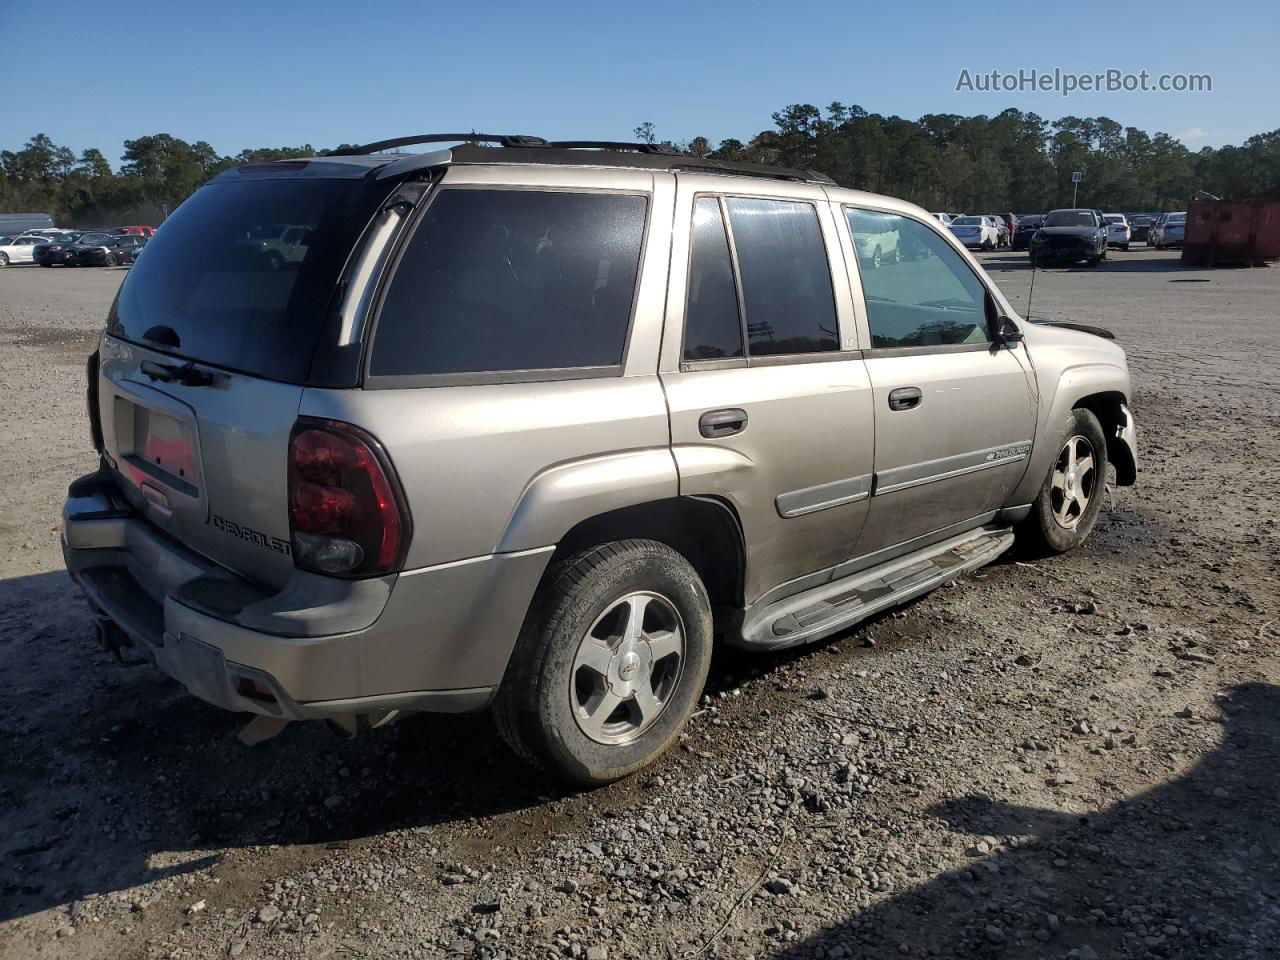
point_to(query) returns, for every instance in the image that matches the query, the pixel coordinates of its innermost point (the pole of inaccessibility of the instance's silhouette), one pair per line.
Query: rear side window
(512, 280)
(922, 293)
(713, 328)
(786, 280)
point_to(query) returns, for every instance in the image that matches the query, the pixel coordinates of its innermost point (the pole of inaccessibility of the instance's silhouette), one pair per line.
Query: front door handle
(722, 423)
(905, 398)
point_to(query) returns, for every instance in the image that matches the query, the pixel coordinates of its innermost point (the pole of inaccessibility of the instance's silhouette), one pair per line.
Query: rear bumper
(436, 639)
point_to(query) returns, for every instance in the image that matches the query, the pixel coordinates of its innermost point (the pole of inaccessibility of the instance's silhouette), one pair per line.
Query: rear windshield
(216, 287)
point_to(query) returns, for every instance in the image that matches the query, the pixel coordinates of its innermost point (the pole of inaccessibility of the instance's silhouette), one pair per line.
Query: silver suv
(534, 425)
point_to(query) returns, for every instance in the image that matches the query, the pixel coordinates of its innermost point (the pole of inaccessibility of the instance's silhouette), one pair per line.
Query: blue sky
(279, 73)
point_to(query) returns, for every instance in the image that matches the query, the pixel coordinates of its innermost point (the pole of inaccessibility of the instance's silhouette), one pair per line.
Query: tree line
(1015, 161)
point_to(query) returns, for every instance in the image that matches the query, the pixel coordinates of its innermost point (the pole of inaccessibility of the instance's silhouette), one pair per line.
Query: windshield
(1177, 218)
(215, 287)
(1031, 220)
(967, 222)
(1069, 218)
(96, 238)
(1113, 218)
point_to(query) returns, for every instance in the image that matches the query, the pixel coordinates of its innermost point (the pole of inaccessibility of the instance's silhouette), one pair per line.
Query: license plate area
(157, 445)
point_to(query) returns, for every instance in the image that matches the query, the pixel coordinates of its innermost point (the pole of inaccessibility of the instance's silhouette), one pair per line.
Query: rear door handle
(905, 398)
(722, 423)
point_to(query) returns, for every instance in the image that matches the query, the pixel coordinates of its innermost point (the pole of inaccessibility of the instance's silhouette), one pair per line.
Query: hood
(1084, 342)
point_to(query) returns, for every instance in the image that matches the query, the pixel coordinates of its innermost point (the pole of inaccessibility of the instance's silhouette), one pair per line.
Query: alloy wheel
(1074, 482)
(626, 668)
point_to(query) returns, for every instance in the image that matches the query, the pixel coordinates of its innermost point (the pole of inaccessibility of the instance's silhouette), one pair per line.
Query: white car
(1168, 231)
(876, 242)
(976, 232)
(20, 249)
(1118, 231)
(943, 218)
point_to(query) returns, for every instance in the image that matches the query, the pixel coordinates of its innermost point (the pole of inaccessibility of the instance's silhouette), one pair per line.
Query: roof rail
(503, 139)
(661, 149)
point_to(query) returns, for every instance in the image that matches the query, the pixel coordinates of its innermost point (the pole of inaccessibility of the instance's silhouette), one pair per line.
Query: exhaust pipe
(111, 638)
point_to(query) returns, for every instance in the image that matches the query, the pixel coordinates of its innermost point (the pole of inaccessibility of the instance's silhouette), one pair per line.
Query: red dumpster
(1232, 231)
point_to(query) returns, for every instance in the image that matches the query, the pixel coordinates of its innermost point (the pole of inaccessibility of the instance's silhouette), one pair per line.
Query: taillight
(91, 400)
(347, 514)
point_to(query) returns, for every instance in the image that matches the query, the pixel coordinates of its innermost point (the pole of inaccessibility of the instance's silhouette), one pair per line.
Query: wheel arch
(706, 531)
(1109, 407)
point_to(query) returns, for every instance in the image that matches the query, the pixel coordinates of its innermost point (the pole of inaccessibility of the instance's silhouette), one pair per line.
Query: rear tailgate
(209, 344)
(205, 464)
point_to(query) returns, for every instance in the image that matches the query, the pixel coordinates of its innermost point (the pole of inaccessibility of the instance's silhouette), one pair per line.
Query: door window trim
(766, 360)
(872, 351)
(371, 381)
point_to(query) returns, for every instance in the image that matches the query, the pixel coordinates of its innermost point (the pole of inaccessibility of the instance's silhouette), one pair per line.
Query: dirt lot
(1070, 758)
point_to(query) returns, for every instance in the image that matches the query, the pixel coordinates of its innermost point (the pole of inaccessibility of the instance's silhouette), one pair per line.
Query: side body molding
(561, 496)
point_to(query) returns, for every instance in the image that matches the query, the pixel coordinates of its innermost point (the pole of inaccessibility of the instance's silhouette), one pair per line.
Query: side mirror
(1007, 331)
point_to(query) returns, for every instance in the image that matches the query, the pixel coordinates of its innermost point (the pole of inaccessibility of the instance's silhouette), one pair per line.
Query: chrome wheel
(1074, 481)
(626, 668)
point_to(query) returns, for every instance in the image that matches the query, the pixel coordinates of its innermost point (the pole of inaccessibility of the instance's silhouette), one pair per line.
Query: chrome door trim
(929, 471)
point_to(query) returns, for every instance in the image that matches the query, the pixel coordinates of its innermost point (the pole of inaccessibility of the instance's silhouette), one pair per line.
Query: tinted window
(712, 327)
(926, 295)
(1070, 218)
(498, 280)
(213, 290)
(786, 283)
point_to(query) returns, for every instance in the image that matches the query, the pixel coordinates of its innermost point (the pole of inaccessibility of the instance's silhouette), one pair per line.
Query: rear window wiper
(186, 374)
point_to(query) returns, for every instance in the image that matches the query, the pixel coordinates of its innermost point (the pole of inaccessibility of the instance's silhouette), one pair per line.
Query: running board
(836, 605)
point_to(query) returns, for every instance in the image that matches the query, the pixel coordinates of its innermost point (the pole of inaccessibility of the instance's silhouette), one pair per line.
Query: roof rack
(522, 148)
(662, 149)
(502, 139)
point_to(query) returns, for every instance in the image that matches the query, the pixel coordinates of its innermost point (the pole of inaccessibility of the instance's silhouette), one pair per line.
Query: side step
(834, 606)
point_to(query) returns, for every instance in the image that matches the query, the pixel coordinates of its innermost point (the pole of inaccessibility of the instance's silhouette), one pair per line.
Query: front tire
(1066, 509)
(610, 662)
(4, 259)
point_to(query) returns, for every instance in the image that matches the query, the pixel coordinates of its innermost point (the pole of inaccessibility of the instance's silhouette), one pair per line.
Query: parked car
(942, 218)
(1168, 231)
(1139, 226)
(19, 249)
(879, 246)
(573, 441)
(1117, 230)
(113, 251)
(1028, 223)
(976, 232)
(1003, 236)
(55, 250)
(135, 231)
(1010, 222)
(1071, 235)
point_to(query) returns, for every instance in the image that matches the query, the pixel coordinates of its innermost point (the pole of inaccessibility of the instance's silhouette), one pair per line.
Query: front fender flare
(1074, 384)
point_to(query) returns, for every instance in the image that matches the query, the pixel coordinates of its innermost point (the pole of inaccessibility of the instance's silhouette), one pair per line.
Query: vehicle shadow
(1189, 869)
(111, 776)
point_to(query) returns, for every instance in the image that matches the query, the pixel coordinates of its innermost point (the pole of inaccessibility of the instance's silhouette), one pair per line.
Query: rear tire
(610, 662)
(4, 259)
(1066, 508)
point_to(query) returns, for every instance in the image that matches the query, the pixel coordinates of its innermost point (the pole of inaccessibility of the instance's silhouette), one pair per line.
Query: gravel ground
(1068, 758)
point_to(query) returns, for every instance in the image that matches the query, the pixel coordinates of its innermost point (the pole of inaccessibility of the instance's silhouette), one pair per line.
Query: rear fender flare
(562, 496)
